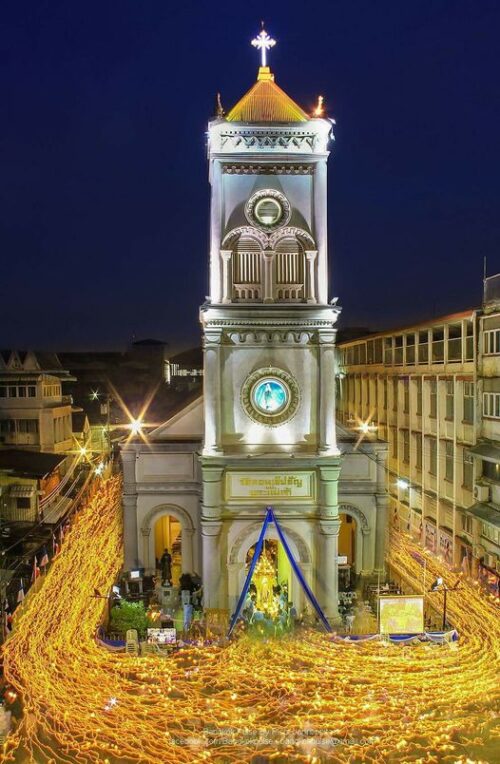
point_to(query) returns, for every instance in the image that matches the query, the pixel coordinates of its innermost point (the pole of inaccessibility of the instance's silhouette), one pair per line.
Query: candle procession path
(299, 699)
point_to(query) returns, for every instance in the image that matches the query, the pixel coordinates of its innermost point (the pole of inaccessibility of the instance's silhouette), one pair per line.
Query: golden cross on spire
(263, 42)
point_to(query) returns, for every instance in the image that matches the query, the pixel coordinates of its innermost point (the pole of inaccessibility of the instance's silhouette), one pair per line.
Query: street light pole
(436, 586)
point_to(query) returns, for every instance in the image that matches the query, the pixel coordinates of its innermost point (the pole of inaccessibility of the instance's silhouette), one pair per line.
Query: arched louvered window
(289, 269)
(247, 269)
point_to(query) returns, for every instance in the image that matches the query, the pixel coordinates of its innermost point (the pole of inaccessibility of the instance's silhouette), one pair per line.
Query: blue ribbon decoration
(271, 518)
(255, 559)
(310, 596)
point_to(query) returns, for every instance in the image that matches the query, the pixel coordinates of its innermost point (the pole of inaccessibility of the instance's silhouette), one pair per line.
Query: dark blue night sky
(104, 191)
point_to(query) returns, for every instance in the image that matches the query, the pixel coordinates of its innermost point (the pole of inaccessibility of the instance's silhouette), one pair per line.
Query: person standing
(166, 568)
(187, 608)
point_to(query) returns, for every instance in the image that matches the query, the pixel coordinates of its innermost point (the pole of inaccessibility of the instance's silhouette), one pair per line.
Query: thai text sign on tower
(297, 486)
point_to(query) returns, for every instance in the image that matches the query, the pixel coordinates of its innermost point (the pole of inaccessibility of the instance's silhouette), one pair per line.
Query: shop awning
(486, 513)
(486, 451)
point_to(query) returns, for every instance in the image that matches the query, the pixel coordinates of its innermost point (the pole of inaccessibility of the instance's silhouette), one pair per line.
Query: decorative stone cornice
(252, 337)
(303, 142)
(267, 169)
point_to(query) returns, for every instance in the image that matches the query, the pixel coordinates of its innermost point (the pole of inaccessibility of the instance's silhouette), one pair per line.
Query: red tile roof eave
(431, 322)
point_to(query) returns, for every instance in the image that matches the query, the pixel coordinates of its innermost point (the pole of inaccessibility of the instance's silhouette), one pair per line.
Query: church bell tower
(269, 341)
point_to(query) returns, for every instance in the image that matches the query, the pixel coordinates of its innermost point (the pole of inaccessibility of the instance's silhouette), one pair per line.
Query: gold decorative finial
(320, 109)
(219, 111)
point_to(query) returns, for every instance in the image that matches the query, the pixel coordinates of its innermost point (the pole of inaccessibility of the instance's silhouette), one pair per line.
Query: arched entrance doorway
(168, 536)
(175, 532)
(245, 541)
(347, 550)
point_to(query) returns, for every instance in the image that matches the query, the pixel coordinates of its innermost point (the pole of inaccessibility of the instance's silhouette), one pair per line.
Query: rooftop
(266, 102)
(30, 464)
(450, 318)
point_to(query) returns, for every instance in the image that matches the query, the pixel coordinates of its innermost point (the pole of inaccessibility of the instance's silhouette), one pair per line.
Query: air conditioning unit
(481, 492)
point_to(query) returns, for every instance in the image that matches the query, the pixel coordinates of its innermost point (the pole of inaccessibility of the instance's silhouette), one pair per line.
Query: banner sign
(401, 614)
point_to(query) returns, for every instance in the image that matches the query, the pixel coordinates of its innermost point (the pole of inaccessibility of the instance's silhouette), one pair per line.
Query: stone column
(382, 502)
(327, 574)
(320, 228)
(148, 562)
(235, 579)
(268, 258)
(328, 527)
(327, 435)
(187, 550)
(227, 285)
(210, 534)
(212, 391)
(129, 503)
(311, 276)
(380, 532)
(215, 230)
(212, 579)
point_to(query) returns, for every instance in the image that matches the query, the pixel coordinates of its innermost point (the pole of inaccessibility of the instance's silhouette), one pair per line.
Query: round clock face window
(270, 396)
(268, 211)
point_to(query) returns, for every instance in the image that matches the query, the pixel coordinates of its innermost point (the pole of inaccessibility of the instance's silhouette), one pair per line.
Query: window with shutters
(406, 445)
(491, 405)
(247, 265)
(449, 461)
(433, 398)
(406, 396)
(418, 450)
(289, 270)
(468, 467)
(450, 399)
(418, 396)
(468, 402)
(432, 456)
(492, 342)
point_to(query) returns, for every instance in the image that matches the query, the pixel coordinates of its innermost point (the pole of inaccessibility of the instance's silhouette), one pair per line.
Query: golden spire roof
(266, 102)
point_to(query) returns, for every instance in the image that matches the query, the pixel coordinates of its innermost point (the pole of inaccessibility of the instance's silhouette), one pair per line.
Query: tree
(129, 615)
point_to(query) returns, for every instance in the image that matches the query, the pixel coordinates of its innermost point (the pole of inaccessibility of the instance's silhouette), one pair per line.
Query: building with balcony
(432, 391)
(34, 413)
(25, 478)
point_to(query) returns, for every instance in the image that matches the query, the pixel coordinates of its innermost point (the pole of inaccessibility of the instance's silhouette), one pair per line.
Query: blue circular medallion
(270, 396)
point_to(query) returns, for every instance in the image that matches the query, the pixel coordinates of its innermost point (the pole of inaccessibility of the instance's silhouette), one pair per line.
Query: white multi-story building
(34, 413)
(432, 391)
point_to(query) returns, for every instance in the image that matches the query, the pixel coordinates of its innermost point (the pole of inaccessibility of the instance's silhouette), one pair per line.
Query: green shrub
(129, 615)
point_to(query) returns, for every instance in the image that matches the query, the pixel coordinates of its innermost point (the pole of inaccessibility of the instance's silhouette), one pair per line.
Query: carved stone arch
(244, 230)
(359, 516)
(187, 536)
(304, 238)
(242, 537)
(167, 509)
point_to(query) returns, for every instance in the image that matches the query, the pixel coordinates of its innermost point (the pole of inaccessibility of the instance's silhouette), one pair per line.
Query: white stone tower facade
(263, 432)
(269, 338)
